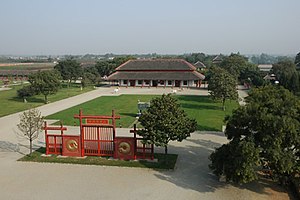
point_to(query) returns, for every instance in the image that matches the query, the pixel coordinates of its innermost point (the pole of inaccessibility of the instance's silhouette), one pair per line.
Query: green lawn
(95, 160)
(10, 103)
(208, 113)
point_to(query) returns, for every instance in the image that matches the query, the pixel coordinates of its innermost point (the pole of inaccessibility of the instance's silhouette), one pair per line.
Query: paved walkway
(191, 180)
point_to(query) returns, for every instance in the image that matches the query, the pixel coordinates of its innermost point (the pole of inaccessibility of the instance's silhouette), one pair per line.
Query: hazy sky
(153, 26)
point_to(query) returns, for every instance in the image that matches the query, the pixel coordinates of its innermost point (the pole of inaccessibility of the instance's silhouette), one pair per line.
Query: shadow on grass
(195, 98)
(206, 128)
(200, 107)
(128, 114)
(29, 99)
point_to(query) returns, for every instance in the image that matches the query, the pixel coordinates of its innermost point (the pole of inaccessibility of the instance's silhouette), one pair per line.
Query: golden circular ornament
(124, 148)
(72, 145)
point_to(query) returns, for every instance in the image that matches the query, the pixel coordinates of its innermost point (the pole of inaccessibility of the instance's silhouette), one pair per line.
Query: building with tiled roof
(265, 67)
(157, 73)
(200, 65)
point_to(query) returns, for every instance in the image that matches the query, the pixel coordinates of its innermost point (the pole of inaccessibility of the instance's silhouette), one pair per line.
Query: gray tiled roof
(156, 64)
(134, 75)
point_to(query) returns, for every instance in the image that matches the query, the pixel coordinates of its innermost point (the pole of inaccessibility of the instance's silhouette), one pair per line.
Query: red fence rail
(54, 144)
(142, 150)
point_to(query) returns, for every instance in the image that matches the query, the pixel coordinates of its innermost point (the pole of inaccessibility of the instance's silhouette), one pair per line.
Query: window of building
(161, 82)
(140, 82)
(185, 82)
(125, 82)
(169, 82)
(147, 82)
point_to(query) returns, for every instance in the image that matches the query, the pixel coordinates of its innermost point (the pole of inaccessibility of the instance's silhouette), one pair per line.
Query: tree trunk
(223, 101)
(46, 98)
(166, 155)
(30, 146)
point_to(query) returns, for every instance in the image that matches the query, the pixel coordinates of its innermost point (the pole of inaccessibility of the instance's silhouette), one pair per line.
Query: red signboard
(71, 146)
(97, 121)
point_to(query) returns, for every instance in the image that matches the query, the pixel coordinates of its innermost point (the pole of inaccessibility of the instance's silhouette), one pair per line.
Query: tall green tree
(297, 60)
(31, 123)
(45, 82)
(287, 75)
(90, 76)
(234, 64)
(165, 121)
(70, 70)
(104, 68)
(250, 74)
(222, 85)
(263, 133)
(25, 92)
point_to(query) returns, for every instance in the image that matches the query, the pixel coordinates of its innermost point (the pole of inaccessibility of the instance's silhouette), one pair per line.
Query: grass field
(95, 160)
(10, 103)
(208, 113)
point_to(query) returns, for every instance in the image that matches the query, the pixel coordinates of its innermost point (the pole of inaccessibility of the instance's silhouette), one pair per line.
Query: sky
(59, 27)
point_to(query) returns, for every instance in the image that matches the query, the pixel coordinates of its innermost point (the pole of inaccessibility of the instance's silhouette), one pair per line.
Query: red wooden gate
(97, 134)
(98, 140)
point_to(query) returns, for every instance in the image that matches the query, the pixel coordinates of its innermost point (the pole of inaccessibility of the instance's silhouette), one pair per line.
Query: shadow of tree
(201, 107)
(6, 146)
(128, 114)
(195, 98)
(192, 171)
(29, 99)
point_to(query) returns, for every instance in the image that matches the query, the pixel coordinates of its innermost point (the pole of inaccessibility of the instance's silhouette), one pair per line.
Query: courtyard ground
(191, 179)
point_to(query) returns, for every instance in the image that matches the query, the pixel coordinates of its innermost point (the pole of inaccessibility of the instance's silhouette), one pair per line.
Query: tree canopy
(45, 82)
(297, 60)
(69, 69)
(165, 121)
(263, 133)
(287, 75)
(234, 64)
(222, 85)
(244, 71)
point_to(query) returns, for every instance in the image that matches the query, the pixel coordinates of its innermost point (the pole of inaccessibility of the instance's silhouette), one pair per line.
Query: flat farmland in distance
(26, 66)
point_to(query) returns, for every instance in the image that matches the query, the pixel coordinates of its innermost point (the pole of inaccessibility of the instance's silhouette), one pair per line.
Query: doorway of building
(132, 83)
(154, 83)
(177, 83)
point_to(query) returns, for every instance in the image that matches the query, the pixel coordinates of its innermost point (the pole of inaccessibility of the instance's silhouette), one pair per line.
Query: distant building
(270, 77)
(200, 65)
(218, 59)
(157, 73)
(265, 67)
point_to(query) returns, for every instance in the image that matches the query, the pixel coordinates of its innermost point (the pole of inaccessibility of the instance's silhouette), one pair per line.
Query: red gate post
(114, 131)
(62, 138)
(81, 133)
(46, 138)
